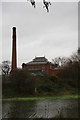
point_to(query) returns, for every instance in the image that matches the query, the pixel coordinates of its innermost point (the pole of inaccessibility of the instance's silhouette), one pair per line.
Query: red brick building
(40, 66)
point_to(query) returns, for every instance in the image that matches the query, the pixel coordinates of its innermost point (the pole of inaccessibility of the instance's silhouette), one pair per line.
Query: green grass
(42, 98)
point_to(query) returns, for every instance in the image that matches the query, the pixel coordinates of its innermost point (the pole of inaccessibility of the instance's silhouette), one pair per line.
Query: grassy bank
(43, 98)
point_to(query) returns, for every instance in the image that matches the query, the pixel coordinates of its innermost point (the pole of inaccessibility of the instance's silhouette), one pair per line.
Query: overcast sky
(39, 33)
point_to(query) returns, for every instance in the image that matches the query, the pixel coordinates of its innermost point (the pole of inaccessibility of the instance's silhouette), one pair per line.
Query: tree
(79, 54)
(70, 72)
(22, 82)
(60, 61)
(5, 67)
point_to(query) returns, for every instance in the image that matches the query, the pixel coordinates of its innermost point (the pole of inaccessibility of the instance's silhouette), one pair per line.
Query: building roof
(38, 60)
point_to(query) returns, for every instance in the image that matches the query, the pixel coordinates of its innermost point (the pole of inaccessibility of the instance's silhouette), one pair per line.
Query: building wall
(47, 68)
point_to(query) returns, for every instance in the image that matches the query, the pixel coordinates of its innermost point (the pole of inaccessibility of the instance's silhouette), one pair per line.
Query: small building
(40, 66)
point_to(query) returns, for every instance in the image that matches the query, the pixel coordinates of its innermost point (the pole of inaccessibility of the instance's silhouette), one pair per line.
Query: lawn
(42, 98)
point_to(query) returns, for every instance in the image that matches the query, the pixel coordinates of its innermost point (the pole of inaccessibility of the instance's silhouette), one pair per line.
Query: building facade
(40, 66)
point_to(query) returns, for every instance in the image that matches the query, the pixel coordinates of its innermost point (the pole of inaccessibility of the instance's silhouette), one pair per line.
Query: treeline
(20, 83)
(70, 73)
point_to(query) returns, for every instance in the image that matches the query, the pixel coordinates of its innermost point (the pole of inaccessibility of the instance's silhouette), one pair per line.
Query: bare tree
(60, 61)
(5, 67)
(71, 71)
(56, 61)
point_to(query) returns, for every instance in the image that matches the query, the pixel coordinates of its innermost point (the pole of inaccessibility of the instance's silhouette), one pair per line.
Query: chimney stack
(14, 58)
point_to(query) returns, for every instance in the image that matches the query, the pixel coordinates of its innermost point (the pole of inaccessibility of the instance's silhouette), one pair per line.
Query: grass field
(42, 98)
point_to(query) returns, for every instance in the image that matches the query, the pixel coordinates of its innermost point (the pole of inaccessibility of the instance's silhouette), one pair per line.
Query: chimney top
(14, 28)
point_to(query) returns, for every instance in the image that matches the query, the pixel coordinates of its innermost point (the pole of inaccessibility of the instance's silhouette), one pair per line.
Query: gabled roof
(38, 60)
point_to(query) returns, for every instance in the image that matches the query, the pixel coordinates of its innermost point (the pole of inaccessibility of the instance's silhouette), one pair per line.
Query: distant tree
(22, 82)
(79, 54)
(5, 67)
(60, 61)
(56, 61)
(70, 72)
(0, 68)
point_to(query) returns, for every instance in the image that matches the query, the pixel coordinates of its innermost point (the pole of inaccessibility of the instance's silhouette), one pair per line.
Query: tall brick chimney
(14, 58)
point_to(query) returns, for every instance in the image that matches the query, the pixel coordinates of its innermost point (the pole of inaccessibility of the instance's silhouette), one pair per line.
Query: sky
(39, 33)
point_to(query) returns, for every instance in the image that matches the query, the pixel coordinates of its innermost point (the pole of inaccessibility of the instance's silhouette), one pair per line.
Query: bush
(49, 85)
(20, 83)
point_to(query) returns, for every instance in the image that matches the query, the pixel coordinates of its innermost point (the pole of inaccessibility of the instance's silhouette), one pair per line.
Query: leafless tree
(5, 67)
(60, 61)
